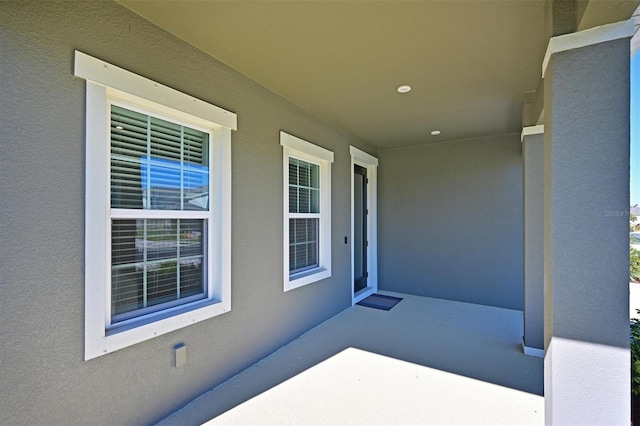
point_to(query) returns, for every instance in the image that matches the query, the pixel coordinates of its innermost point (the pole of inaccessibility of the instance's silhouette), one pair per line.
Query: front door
(360, 271)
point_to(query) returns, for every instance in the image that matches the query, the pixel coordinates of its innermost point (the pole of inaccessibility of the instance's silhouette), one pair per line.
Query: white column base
(538, 353)
(586, 383)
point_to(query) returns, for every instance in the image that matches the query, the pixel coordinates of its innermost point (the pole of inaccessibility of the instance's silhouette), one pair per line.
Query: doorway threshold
(365, 292)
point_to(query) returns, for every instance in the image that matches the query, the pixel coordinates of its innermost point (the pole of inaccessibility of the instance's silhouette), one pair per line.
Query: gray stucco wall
(43, 377)
(451, 221)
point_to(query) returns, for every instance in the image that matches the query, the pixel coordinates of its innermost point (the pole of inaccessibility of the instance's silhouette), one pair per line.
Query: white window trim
(107, 82)
(370, 163)
(303, 150)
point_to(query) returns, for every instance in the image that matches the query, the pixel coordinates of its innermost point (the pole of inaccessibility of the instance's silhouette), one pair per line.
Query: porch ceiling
(469, 62)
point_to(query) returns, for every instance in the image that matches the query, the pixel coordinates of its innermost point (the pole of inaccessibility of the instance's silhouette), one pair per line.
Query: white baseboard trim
(538, 353)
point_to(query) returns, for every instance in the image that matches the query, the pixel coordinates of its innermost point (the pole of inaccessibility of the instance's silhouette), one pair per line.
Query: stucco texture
(451, 221)
(43, 377)
(587, 193)
(586, 225)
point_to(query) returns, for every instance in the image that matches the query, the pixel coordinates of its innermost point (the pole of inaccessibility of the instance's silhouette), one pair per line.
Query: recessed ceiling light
(435, 132)
(404, 89)
(119, 127)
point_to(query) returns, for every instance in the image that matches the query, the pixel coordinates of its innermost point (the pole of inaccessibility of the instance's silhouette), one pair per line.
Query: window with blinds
(307, 212)
(157, 246)
(159, 186)
(304, 210)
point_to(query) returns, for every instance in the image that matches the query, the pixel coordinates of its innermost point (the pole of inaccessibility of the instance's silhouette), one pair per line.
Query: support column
(533, 189)
(586, 247)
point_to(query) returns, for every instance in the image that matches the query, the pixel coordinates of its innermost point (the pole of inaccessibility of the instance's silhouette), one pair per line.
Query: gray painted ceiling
(469, 62)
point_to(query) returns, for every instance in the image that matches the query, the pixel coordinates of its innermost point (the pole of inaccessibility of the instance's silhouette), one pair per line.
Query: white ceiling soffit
(469, 63)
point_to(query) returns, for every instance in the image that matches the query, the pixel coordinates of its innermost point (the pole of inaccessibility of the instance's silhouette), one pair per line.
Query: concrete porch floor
(426, 361)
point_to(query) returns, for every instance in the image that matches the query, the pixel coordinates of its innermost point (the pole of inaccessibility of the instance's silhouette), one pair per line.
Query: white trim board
(588, 37)
(301, 145)
(106, 74)
(529, 351)
(360, 155)
(531, 130)
(369, 162)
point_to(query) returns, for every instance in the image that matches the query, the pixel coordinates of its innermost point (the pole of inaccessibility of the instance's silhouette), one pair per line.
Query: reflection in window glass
(156, 164)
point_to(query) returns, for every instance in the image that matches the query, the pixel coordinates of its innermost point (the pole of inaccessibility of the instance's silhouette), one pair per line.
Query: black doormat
(380, 301)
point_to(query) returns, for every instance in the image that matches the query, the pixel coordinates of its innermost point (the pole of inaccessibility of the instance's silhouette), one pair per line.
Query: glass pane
(304, 200)
(155, 261)
(300, 235)
(196, 188)
(191, 236)
(315, 176)
(304, 189)
(157, 164)
(191, 277)
(126, 185)
(196, 147)
(128, 132)
(303, 244)
(124, 248)
(126, 289)
(161, 282)
(304, 174)
(312, 230)
(301, 257)
(161, 183)
(314, 201)
(312, 253)
(160, 240)
(166, 139)
(293, 171)
(293, 199)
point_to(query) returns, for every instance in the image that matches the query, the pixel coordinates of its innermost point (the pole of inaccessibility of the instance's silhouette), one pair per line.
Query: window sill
(152, 325)
(306, 277)
(154, 317)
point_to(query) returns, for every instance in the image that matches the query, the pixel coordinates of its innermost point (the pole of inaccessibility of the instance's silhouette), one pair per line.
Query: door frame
(370, 163)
